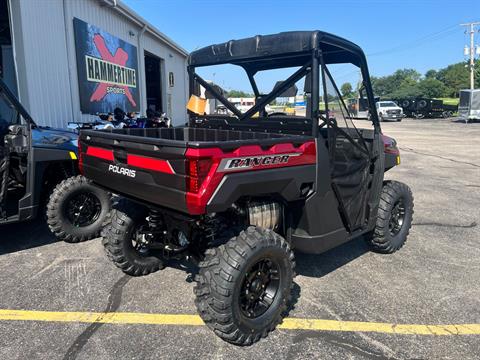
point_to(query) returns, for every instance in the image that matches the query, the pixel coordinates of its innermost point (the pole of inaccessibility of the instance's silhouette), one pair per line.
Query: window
(387, 104)
(347, 100)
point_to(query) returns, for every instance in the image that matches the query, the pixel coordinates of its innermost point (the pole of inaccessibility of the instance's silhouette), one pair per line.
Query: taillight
(197, 171)
(80, 157)
(390, 145)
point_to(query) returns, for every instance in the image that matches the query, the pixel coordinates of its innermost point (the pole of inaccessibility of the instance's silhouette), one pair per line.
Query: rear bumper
(469, 114)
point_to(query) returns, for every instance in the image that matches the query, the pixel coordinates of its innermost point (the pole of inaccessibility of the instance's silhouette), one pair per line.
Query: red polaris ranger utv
(239, 191)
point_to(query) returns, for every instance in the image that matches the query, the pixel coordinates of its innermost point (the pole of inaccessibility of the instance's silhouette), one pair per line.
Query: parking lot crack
(439, 157)
(469, 226)
(114, 301)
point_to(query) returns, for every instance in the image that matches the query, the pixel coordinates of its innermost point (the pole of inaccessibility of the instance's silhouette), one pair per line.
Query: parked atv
(38, 168)
(237, 193)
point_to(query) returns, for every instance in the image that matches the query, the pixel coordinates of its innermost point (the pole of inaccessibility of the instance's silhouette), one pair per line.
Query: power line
(441, 34)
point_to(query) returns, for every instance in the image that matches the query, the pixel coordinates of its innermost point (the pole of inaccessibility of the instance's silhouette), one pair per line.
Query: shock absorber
(155, 220)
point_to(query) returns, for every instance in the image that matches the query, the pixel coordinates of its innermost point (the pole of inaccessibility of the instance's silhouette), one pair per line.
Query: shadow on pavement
(17, 237)
(322, 264)
(306, 264)
(469, 121)
(26, 235)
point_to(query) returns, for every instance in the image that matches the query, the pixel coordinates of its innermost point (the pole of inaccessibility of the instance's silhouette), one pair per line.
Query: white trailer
(469, 106)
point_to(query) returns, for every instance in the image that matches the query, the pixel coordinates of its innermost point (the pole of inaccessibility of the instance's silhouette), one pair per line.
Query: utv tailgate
(180, 168)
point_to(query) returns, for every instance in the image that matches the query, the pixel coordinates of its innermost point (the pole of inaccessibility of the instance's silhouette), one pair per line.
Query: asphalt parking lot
(433, 280)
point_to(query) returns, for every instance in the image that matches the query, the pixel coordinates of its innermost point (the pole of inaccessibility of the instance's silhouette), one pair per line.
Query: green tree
(431, 74)
(239, 94)
(385, 86)
(407, 88)
(432, 88)
(346, 89)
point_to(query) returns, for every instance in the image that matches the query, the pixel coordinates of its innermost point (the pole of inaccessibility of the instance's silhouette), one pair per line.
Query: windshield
(388, 104)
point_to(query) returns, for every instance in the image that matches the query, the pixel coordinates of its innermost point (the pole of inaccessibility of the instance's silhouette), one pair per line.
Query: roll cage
(311, 51)
(13, 102)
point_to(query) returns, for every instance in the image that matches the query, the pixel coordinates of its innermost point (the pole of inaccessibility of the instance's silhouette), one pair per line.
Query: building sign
(107, 70)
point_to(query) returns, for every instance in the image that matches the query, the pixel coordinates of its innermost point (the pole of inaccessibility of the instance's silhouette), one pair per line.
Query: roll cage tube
(307, 50)
(16, 104)
(264, 100)
(371, 98)
(217, 94)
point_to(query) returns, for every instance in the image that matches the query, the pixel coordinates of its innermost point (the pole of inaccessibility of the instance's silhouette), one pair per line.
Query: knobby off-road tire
(229, 272)
(77, 210)
(394, 218)
(127, 217)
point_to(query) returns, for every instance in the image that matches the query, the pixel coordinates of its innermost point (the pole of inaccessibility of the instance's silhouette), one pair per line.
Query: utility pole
(472, 51)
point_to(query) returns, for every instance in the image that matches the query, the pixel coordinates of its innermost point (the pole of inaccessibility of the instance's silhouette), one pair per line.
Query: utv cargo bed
(180, 168)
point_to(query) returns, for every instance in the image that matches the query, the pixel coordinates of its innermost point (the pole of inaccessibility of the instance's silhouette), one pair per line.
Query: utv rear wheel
(394, 219)
(244, 286)
(77, 210)
(123, 243)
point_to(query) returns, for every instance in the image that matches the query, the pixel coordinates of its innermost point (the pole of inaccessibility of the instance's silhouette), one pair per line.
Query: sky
(395, 34)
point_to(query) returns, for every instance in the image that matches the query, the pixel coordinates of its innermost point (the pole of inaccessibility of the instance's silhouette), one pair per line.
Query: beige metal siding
(44, 85)
(45, 43)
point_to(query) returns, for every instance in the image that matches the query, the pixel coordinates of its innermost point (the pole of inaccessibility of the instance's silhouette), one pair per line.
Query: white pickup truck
(388, 110)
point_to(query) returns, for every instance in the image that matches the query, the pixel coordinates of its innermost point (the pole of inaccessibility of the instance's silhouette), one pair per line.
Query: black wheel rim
(397, 217)
(139, 241)
(259, 288)
(83, 209)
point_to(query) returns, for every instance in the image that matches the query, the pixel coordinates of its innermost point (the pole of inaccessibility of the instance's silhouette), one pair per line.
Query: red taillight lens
(197, 171)
(80, 157)
(390, 145)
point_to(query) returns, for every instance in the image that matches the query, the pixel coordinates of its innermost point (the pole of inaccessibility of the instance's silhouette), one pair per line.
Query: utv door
(350, 159)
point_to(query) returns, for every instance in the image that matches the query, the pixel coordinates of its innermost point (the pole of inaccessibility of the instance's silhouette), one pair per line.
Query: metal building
(70, 59)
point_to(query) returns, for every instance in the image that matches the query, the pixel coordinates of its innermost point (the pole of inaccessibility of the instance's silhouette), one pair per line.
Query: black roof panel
(276, 51)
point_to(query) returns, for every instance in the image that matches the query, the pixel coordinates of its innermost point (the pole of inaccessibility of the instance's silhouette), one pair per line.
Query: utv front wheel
(394, 218)
(77, 210)
(244, 286)
(124, 243)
